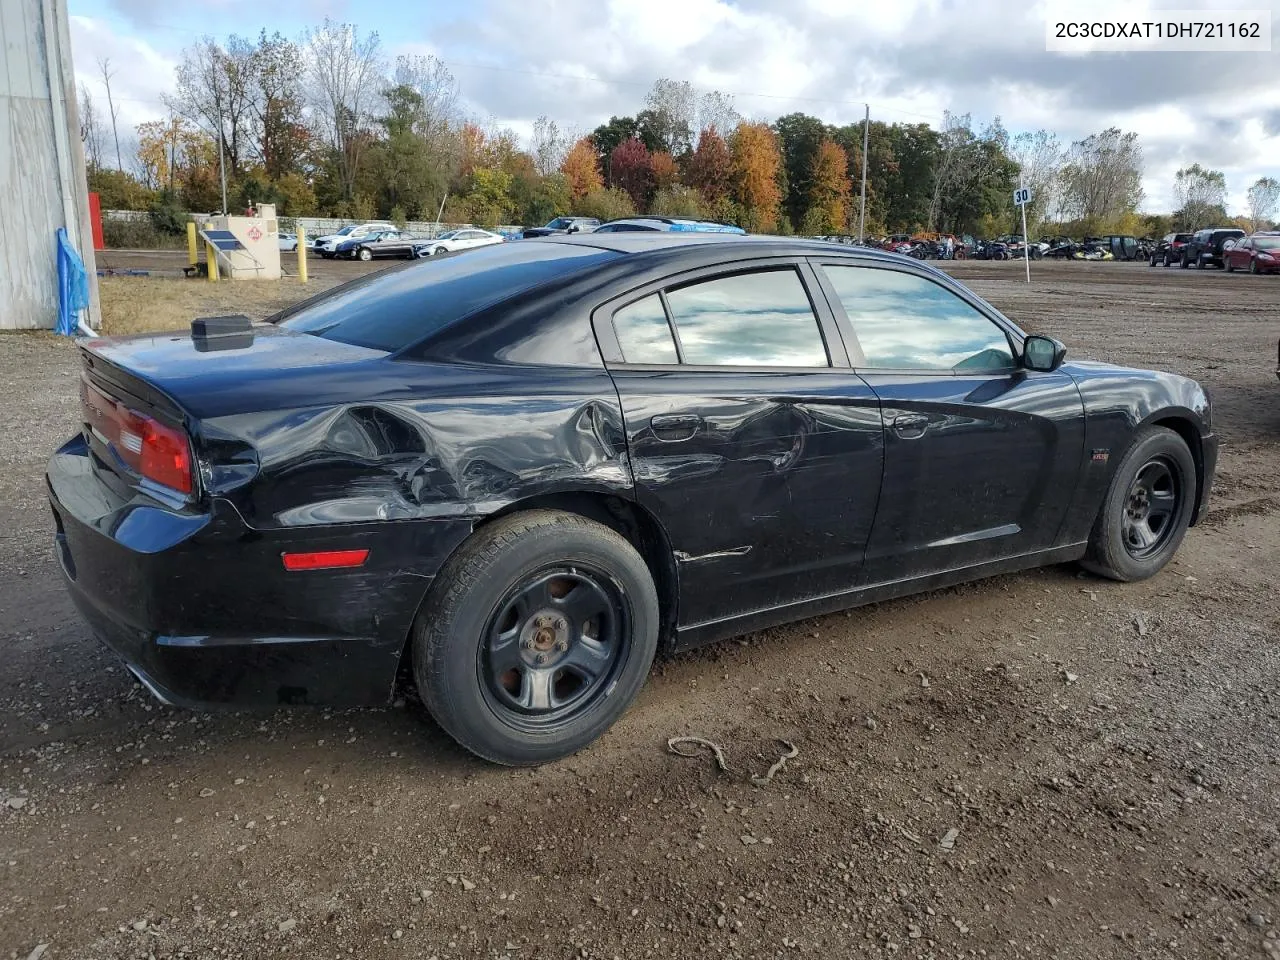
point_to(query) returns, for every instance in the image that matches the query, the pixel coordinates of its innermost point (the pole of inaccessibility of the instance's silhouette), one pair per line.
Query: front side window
(907, 322)
(759, 319)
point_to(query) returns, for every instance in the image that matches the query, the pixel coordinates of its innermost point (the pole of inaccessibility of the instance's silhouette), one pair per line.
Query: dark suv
(1169, 249)
(1204, 249)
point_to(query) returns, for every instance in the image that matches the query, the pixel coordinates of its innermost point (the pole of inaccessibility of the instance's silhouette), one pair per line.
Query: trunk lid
(143, 397)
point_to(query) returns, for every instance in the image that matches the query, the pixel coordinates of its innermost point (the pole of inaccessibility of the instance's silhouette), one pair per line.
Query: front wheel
(1253, 267)
(1147, 508)
(1226, 265)
(537, 635)
(365, 254)
(439, 250)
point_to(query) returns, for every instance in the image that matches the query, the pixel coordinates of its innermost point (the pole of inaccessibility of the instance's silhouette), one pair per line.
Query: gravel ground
(1039, 765)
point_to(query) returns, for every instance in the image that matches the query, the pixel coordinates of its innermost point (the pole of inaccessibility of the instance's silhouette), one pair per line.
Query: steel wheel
(554, 646)
(1150, 507)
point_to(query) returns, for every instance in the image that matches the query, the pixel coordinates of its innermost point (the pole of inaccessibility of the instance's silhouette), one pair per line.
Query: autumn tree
(757, 165)
(663, 170)
(829, 191)
(630, 170)
(581, 171)
(710, 169)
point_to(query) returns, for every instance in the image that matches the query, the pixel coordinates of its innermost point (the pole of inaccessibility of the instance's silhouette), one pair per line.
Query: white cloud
(580, 62)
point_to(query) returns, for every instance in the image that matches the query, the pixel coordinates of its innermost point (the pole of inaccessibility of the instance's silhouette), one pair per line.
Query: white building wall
(42, 174)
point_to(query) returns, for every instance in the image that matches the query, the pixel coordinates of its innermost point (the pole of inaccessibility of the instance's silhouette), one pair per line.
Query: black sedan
(384, 243)
(516, 476)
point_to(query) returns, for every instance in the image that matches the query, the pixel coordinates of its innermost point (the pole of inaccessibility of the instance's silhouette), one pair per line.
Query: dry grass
(145, 304)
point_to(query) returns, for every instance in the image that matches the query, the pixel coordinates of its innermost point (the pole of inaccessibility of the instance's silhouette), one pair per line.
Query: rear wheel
(1147, 509)
(537, 635)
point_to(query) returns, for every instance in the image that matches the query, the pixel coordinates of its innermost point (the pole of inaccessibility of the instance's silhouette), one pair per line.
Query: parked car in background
(522, 473)
(464, 239)
(1121, 246)
(666, 225)
(288, 241)
(327, 245)
(382, 243)
(1259, 253)
(561, 225)
(1204, 249)
(1169, 249)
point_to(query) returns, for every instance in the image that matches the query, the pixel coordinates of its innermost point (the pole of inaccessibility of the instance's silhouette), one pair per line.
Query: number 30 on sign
(1021, 196)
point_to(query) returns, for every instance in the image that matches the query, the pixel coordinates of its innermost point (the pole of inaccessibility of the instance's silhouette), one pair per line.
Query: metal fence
(322, 226)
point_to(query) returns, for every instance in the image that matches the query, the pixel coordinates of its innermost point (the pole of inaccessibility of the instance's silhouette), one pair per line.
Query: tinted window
(749, 319)
(394, 308)
(905, 321)
(643, 333)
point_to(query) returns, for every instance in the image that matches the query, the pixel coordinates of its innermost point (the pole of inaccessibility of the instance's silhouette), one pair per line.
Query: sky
(580, 61)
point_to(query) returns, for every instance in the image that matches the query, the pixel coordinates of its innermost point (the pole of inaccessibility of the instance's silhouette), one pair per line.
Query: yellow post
(211, 253)
(192, 255)
(302, 255)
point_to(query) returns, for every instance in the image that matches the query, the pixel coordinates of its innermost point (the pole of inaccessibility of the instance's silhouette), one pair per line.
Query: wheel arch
(1185, 425)
(624, 516)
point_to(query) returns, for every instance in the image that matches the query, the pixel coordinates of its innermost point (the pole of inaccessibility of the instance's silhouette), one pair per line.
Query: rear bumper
(200, 607)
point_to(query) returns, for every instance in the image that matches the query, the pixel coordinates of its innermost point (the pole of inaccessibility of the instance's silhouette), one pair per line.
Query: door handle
(911, 426)
(672, 427)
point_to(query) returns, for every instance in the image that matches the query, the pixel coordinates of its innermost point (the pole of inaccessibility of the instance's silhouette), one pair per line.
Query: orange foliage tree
(756, 163)
(663, 169)
(581, 170)
(829, 190)
(710, 169)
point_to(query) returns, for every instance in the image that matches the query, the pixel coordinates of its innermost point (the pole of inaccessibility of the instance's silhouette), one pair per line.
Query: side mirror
(573, 228)
(1043, 353)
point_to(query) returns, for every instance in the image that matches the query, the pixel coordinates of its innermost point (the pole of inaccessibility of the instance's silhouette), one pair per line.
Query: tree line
(327, 126)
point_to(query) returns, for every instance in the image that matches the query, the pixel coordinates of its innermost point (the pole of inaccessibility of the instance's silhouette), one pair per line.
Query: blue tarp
(73, 286)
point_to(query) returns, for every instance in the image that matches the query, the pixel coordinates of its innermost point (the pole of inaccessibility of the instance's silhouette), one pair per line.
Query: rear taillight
(165, 456)
(151, 449)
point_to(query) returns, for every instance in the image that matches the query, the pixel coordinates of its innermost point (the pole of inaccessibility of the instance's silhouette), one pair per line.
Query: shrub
(607, 204)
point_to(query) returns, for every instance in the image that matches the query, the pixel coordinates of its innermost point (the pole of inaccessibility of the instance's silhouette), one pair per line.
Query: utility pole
(222, 169)
(866, 138)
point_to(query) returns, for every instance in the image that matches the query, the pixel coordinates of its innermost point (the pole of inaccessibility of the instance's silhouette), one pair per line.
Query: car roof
(659, 242)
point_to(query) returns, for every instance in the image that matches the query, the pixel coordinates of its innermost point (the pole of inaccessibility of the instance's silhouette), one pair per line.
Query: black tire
(1226, 265)
(1184, 262)
(1253, 267)
(1153, 261)
(1199, 262)
(1167, 261)
(365, 254)
(438, 251)
(1114, 551)
(477, 599)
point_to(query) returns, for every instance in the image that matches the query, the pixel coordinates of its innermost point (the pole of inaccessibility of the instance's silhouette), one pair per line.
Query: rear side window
(761, 319)
(643, 333)
(396, 308)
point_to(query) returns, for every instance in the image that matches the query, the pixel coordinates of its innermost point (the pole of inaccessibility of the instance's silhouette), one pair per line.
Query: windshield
(399, 307)
(559, 223)
(448, 236)
(1266, 243)
(344, 231)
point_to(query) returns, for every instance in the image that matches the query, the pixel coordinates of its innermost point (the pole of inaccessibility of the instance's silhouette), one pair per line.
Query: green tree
(607, 204)
(679, 201)
(799, 137)
(490, 196)
(608, 136)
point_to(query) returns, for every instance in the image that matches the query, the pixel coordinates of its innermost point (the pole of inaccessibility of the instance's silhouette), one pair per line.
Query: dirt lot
(1109, 755)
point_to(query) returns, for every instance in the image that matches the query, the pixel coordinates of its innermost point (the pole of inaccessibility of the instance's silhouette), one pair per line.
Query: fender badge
(1101, 456)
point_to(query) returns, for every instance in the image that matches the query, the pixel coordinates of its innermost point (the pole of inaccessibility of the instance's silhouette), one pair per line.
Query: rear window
(395, 308)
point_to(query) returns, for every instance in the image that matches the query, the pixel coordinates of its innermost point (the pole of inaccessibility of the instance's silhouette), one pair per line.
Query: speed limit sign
(1021, 196)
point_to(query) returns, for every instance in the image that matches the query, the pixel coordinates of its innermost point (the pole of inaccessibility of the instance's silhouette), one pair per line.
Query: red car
(1259, 253)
